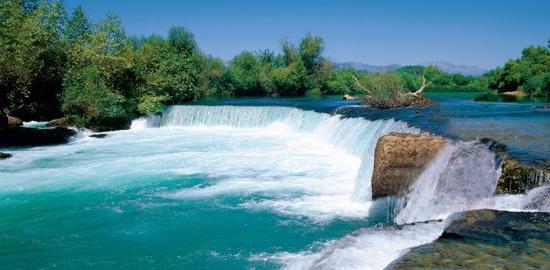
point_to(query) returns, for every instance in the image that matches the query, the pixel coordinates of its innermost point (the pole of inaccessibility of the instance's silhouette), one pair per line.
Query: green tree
(78, 27)
(100, 86)
(538, 85)
(90, 102)
(533, 62)
(290, 80)
(310, 50)
(245, 75)
(180, 66)
(32, 58)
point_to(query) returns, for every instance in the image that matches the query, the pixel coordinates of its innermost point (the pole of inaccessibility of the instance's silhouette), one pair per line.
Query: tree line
(55, 63)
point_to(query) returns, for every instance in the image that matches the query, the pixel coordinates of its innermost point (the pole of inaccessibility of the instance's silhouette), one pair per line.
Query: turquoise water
(520, 125)
(184, 195)
(213, 187)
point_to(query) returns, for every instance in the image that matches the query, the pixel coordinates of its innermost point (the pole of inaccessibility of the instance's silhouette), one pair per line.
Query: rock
(399, 159)
(20, 136)
(517, 177)
(348, 97)
(541, 107)
(485, 239)
(5, 155)
(98, 135)
(14, 121)
(59, 122)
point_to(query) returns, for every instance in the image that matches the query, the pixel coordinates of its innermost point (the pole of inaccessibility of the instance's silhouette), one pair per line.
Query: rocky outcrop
(59, 122)
(4, 155)
(486, 239)
(19, 136)
(11, 120)
(517, 177)
(399, 158)
(14, 121)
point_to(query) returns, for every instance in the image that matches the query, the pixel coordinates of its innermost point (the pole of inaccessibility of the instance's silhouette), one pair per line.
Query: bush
(88, 102)
(538, 85)
(150, 104)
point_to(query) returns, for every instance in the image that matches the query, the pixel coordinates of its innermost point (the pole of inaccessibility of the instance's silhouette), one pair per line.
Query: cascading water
(459, 177)
(356, 136)
(464, 176)
(231, 187)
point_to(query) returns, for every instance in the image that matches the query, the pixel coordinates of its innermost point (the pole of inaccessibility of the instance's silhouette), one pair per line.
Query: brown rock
(517, 177)
(14, 121)
(5, 155)
(59, 122)
(399, 159)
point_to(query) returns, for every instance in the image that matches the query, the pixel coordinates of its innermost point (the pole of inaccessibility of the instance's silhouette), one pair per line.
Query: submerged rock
(98, 135)
(5, 155)
(541, 107)
(20, 136)
(517, 177)
(399, 159)
(486, 239)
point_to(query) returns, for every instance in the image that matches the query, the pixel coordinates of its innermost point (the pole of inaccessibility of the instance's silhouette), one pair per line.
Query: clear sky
(483, 33)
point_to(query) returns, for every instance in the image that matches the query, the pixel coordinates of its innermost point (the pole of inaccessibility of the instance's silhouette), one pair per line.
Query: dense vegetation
(530, 73)
(56, 64)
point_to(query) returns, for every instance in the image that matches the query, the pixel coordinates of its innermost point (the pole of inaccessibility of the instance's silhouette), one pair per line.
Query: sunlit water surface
(230, 188)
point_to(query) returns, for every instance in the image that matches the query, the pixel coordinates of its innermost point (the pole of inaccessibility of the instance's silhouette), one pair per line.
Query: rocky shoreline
(13, 134)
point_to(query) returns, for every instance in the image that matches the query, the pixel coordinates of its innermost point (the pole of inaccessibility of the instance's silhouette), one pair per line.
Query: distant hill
(452, 68)
(362, 66)
(443, 65)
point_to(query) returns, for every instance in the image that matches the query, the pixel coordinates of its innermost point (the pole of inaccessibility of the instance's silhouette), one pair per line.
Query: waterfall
(462, 175)
(356, 136)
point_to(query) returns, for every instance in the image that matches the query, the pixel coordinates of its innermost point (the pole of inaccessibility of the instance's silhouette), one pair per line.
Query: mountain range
(446, 66)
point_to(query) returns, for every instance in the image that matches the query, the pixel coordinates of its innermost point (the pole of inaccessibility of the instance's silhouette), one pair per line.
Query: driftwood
(409, 99)
(424, 86)
(361, 86)
(415, 93)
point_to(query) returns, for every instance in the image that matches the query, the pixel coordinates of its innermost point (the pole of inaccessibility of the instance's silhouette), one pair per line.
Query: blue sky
(482, 33)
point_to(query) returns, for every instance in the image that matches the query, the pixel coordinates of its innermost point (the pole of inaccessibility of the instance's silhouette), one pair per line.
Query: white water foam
(355, 136)
(294, 162)
(461, 176)
(371, 248)
(35, 124)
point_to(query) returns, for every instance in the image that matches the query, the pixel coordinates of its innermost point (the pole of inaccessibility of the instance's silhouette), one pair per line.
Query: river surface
(247, 184)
